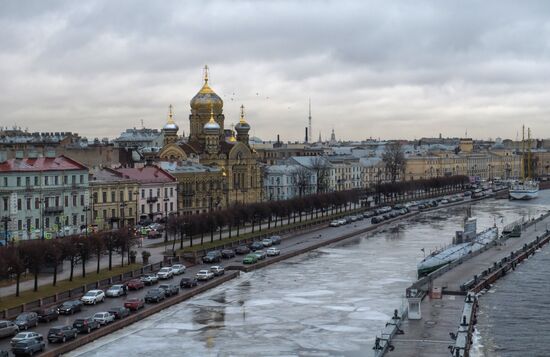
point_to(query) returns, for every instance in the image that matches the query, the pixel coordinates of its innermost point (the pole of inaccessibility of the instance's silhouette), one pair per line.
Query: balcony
(53, 210)
(152, 199)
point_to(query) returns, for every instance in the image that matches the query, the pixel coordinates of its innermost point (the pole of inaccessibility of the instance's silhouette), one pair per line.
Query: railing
(55, 209)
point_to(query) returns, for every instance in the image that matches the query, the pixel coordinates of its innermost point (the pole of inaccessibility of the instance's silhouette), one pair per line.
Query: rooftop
(41, 164)
(148, 174)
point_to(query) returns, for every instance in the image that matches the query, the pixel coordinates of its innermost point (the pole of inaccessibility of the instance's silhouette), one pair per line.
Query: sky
(380, 69)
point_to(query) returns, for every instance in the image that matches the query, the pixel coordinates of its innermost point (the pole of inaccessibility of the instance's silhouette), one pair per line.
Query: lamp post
(122, 211)
(165, 200)
(86, 209)
(42, 217)
(6, 220)
(136, 193)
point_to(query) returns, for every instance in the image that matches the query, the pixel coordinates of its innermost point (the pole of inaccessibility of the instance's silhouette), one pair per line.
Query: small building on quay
(42, 197)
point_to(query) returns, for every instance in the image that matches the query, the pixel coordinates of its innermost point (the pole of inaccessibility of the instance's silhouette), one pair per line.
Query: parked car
(92, 297)
(267, 242)
(212, 256)
(26, 320)
(116, 291)
(228, 253)
(271, 252)
(260, 254)
(135, 284)
(85, 324)
(256, 246)
(250, 259)
(334, 223)
(134, 304)
(188, 282)
(70, 307)
(103, 317)
(375, 220)
(48, 314)
(61, 333)
(149, 279)
(165, 273)
(178, 269)
(242, 249)
(28, 347)
(170, 289)
(342, 221)
(204, 274)
(8, 328)
(276, 240)
(217, 270)
(21, 336)
(155, 295)
(119, 312)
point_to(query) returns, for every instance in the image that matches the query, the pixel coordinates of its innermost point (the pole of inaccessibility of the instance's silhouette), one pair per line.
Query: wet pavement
(329, 302)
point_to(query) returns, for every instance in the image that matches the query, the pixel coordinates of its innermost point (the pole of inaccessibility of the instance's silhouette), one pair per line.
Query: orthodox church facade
(234, 173)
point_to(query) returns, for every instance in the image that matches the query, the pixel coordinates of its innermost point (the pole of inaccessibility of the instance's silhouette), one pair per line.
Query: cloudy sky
(389, 69)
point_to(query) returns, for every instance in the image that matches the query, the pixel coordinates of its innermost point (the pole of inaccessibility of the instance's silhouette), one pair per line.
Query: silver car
(8, 328)
(103, 317)
(178, 269)
(21, 336)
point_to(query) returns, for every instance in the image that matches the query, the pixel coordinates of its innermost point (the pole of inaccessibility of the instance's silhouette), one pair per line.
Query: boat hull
(523, 194)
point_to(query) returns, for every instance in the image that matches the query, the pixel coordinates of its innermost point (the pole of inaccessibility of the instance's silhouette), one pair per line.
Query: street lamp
(136, 193)
(6, 220)
(165, 200)
(122, 210)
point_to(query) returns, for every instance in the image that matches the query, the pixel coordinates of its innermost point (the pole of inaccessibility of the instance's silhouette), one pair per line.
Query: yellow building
(210, 144)
(114, 199)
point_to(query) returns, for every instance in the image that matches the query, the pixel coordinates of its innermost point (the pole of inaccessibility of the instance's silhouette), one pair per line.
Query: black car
(85, 324)
(48, 314)
(256, 246)
(228, 253)
(275, 240)
(375, 220)
(119, 312)
(188, 282)
(28, 347)
(26, 320)
(242, 249)
(70, 307)
(169, 289)
(155, 295)
(213, 256)
(61, 333)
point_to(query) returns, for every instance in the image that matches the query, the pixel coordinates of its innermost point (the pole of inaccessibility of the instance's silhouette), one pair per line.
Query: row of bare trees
(33, 256)
(429, 186)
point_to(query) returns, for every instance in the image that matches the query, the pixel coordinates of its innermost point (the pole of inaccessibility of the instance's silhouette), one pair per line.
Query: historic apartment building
(42, 197)
(114, 200)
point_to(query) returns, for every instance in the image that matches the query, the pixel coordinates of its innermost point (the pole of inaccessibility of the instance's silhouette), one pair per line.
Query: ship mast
(522, 152)
(528, 153)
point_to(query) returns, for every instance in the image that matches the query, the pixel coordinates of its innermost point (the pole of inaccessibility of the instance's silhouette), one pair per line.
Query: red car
(135, 284)
(134, 304)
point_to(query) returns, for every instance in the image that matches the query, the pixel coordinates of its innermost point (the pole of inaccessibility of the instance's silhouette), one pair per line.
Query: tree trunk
(230, 229)
(72, 269)
(55, 273)
(17, 281)
(122, 257)
(212, 235)
(202, 238)
(221, 229)
(36, 280)
(269, 222)
(110, 258)
(83, 267)
(98, 261)
(181, 239)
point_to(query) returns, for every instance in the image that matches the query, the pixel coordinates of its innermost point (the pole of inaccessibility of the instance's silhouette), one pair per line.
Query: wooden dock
(442, 306)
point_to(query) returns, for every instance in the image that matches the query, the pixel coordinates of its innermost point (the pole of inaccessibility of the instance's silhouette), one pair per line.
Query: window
(104, 197)
(113, 196)
(171, 206)
(74, 220)
(130, 211)
(158, 207)
(81, 178)
(66, 201)
(113, 212)
(5, 181)
(27, 181)
(29, 204)
(95, 215)
(56, 201)
(37, 203)
(19, 181)
(142, 193)
(36, 223)
(65, 179)
(150, 192)
(158, 192)
(74, 200)
(47, 222)
(165, 206)
(171, 192)
(166, 192)
(82, 200)
(81, 218)
(36, 181)
(5, 204)
(19, 204)
(95, 197)
(19, 224)
(130, 194)
(142, 208)
(73, 178)
(104, 213)
(66, 221)
(56, 180)
(46, 181)
(121, 195)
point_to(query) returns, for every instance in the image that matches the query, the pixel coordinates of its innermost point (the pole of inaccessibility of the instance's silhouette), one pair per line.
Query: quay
(441, 308)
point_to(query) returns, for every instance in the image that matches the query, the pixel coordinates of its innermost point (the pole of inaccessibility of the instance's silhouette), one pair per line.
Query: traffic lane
(89, 310)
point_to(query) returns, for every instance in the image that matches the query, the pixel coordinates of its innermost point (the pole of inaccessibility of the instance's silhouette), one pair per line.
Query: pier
(441, 307)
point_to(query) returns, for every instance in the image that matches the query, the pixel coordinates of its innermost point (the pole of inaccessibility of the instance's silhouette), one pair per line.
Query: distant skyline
(397, 69)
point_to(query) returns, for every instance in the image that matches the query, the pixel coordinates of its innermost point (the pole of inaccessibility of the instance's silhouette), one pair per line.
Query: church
(215, 166)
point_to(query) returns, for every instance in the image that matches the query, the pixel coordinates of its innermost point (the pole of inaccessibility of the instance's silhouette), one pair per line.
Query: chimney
(278, 138)
(19, 154)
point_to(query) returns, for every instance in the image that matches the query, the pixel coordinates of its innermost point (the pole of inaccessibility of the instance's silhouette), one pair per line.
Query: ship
(526, 188)
(465, 242)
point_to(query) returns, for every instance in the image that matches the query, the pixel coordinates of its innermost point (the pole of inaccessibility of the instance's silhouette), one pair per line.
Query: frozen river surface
(329, 302)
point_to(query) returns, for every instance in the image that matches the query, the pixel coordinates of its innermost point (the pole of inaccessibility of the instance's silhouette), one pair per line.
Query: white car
(92, 297)
(217, 270)
(115, 291)
(103, 317)
(271, 252)
(342, 222)
(204, 275)
(267, 242)
(165, 273)
(334, 223)
(178, 269)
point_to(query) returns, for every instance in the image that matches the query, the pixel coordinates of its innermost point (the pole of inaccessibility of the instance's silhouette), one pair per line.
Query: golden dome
(211, 127)
(242, 126)
(206, 98)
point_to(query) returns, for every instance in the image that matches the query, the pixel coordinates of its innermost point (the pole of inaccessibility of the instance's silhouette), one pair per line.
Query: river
(330, 302)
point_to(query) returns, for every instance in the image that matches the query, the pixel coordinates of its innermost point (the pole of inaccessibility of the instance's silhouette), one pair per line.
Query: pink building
(157, 192)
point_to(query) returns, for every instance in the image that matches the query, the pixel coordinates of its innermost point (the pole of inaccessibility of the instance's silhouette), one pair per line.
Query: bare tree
(321, 168)
(394, 160)
(302, 178)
